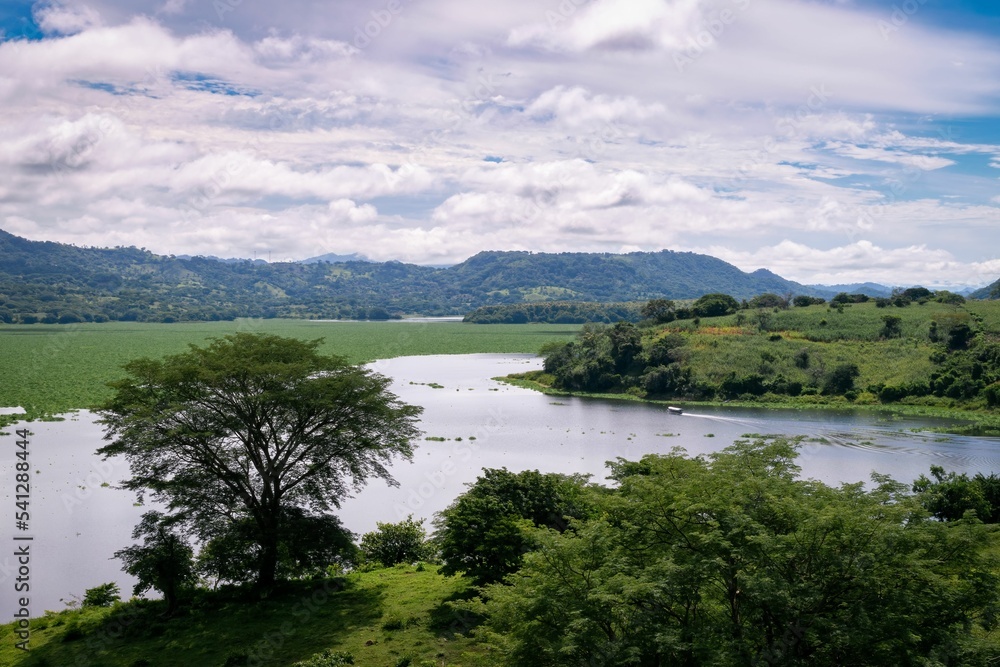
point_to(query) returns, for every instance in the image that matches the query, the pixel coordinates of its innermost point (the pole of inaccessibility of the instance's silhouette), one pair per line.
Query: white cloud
(60, 19)
(297, 50)
(612, 24)
(863, 262)
(173, 7)
(922, 162)
(576, 107)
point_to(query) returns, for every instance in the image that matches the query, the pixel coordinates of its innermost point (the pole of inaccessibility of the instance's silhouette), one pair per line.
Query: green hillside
(924, 354)
(56, 283)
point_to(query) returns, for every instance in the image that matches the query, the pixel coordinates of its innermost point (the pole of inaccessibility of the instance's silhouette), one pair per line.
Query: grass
(380, 617)
(863, 321)
(718, 346)
(52, 369)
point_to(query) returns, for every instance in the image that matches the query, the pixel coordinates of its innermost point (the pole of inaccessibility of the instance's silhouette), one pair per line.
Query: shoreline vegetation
(978, 422)
(931, 354)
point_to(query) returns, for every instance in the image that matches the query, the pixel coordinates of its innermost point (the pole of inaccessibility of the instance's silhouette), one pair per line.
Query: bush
(892, 326)
(768, 300)
(481, 534)
(841, 379)
(713, 305)
(392, 543)
(104, 595)
(992, 394)
(394, 623)
(73, 633)
(327, 658)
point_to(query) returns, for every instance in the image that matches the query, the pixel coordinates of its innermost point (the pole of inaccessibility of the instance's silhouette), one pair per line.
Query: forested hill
(53, 282)
(991, 291)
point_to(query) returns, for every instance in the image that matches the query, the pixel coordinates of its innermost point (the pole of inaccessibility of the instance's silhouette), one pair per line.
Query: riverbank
(969, 421)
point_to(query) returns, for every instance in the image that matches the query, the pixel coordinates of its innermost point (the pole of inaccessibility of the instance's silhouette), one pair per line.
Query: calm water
(78, 523)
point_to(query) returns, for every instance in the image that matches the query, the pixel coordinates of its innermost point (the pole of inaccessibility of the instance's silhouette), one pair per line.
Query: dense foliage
(392, 543)
(731, 559)
(56, 283)
(163, 561)
(308, 545)
(557, 312)
(241, 435)
(482, 533)
(930, 347)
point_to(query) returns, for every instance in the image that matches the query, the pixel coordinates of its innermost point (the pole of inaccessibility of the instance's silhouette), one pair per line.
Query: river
(78, 518)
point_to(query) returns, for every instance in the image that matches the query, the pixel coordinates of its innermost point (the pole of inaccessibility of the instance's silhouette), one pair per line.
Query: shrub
(327, 658)
(393, 623)
(392, 543)
(841, 379)
(104, 595)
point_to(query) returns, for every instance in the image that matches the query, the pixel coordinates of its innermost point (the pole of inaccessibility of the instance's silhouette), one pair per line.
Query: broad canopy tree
(242, 430)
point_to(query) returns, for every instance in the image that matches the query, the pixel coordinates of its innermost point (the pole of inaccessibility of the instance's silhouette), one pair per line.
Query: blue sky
(830, 141)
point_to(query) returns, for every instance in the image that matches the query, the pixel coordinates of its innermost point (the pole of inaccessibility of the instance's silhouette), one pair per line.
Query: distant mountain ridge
(54, 282)
(871, 289)
(991, 291)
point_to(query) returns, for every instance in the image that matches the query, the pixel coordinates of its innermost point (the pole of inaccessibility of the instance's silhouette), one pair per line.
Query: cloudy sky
(827, 140)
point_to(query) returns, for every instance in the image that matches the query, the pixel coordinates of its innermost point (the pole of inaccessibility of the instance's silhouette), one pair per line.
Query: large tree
(250, 426)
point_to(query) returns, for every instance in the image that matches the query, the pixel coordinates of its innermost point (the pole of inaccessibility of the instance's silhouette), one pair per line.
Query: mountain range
(54, 282)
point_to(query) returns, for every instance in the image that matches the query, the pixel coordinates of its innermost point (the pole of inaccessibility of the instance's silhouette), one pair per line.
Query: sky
(830, 141)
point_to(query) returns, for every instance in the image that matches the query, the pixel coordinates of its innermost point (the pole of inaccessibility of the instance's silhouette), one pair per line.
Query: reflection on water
(475, 422)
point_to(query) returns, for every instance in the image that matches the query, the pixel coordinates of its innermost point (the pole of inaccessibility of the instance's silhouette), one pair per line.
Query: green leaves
(250, 426)
(392, 543)
(485, 531)
(732, 559)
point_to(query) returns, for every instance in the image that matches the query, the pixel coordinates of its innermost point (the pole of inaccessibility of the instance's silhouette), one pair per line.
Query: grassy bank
(49, 369)
(388, 617)
(754, 358)
(968, 420)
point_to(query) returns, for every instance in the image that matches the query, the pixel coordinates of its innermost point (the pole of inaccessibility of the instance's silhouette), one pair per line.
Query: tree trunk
(268, 564)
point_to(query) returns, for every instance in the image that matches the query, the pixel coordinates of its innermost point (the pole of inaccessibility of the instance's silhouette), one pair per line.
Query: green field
(50, 369)
(831, 337)
(381, 618)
